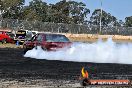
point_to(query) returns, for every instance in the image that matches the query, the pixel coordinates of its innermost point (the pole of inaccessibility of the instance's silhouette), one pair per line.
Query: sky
(118, 8)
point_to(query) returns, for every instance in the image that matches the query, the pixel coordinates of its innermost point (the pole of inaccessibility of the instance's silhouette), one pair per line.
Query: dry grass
(9, 45)
(95, 37)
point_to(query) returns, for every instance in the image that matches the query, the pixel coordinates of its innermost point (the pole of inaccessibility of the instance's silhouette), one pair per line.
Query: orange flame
(84, 73)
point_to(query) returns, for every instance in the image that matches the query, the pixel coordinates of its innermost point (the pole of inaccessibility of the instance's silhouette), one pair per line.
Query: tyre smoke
(98, 52)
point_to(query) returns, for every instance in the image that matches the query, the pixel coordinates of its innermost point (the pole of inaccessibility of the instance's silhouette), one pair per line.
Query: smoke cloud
(98, 52)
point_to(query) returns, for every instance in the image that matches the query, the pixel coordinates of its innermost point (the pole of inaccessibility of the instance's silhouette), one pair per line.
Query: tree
(11, 8)
(106, 19)
(68, 12)
(29, 14)
(59, 12)
(36, 10)
(78, 12)
(128, 21)
(121, 23)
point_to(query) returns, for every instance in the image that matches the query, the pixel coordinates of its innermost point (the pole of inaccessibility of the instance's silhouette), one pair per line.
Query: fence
(15, 24)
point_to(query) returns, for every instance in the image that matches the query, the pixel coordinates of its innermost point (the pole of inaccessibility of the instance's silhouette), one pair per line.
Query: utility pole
(100, 29)
(0, 19)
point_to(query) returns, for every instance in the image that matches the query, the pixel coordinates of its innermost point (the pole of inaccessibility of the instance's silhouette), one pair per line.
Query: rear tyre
(36, 47)
(4, 41)
(44, 49)
(25, 49)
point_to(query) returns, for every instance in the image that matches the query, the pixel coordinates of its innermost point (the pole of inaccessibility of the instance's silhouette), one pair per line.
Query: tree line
(69, 12)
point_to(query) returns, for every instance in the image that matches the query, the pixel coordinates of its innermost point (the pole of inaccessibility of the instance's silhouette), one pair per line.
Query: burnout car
(47, 41)
(6, 37)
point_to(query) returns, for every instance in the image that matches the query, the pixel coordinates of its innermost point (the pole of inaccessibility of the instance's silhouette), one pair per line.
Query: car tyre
(4, 41)
(43, 48)
(25, 49)
(36, 47)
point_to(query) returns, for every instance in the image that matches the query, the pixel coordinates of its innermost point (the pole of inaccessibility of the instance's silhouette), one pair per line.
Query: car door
(31, 43)
(39, 40)
(35, 41)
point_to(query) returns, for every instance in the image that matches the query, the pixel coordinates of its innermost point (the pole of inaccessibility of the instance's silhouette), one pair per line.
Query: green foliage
(61, 12)
(78, 12)
(128, 21)
(70, 12)
(35, 11)
(67, 12)
(11, 8)
(121, 23)
(106, 18)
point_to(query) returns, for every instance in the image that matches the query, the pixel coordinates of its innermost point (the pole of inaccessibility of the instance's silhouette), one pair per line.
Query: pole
(0, 19)
(100, 19)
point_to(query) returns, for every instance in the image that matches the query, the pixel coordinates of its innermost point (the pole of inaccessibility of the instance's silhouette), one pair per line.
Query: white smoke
(98, 52)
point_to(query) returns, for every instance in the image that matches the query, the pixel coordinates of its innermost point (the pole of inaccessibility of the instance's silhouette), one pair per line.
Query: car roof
(50, 34)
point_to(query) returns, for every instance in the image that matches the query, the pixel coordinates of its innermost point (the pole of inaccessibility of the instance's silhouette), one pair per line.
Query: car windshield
(11, 35)
(56, 38)
(34, 33)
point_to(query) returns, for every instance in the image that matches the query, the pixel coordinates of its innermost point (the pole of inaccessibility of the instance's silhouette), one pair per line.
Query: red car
(6, 37)
(47, 41)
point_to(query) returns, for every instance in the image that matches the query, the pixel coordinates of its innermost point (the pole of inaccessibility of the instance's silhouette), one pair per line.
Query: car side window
(39, 38)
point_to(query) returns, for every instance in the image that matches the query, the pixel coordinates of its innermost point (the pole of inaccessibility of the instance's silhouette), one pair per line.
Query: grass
(95, 40)
(9, 45)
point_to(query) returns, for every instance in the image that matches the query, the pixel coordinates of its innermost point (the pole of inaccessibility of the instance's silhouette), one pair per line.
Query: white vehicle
(30, 34)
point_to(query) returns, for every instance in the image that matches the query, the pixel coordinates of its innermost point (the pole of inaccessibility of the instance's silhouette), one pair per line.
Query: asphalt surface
(13, 66)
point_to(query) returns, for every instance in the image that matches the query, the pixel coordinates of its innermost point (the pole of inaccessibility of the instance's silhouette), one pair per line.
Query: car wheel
(44, 48)
(4, 41)
(35, 47)
(25, 49)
